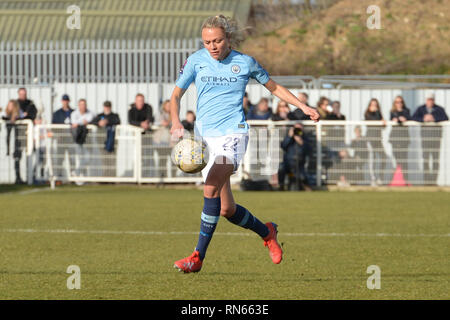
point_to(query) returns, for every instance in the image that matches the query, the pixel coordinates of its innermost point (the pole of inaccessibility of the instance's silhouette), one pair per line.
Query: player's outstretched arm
(177, 127)
(284, 94)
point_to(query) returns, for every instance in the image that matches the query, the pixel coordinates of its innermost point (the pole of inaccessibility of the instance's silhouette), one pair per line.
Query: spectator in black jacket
(107, 118)
(336, 134)
(336, 113)
(430, 112)
(431, 136)
(399, 137)
(62, 115)
(63, 142)
(298, 114)
(141, 113)
(26, 106)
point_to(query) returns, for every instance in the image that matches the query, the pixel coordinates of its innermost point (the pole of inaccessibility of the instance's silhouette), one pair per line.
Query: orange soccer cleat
(189, 264)
(275, 251)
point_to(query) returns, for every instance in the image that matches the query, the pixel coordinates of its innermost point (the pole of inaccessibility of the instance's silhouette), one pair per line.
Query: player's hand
(312, 113)
(177, 130)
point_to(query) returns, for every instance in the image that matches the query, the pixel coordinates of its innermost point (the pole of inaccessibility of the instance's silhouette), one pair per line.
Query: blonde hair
(228, 25)
(394, 108)
(13, 114)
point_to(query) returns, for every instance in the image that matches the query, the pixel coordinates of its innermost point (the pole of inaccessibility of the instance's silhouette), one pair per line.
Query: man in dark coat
(107, 122)
(26, 106)
(62, 115)
(63, 139)
(141, 113)
(297, 150)
(431, 136)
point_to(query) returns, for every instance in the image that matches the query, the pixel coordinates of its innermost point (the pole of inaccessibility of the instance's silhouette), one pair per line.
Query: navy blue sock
(242, 217)
(210, 217)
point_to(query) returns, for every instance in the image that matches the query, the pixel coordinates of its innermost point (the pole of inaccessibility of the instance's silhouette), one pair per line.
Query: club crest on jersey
(235, 69)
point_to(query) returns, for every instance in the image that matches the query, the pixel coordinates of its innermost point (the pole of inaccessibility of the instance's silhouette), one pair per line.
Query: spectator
(431, 136)
(399, 136)
(12, 111)
(336, 133)
(12, 114)
(141, 113)
(336, 112)
(165, 120)
(80, 119)
(296, 152)
(261, 111)
(63, 142)
(107, 118)
(282, 111)
(298, 114)
(62, 115)
(27, 106)
(82, 116)
(246, 104)
(373, 113)
(189, 122)
(323, 108)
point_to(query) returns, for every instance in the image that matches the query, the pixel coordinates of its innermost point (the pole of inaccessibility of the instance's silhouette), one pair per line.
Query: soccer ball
(190, 155)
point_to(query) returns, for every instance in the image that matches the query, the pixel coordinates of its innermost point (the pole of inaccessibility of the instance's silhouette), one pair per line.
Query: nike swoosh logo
(202, 67)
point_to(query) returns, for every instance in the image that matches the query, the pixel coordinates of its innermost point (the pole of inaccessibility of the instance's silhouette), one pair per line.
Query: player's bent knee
(211, 191)
(227, 212)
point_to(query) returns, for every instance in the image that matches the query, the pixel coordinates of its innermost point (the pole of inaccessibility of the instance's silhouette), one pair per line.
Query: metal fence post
(319, 154)
(138, 154)
(29, 150)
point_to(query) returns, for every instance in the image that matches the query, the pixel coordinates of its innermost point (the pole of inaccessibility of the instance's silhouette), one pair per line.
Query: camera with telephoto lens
(298, 132)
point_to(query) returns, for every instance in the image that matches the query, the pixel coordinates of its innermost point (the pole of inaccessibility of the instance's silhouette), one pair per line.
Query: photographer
(296, 151)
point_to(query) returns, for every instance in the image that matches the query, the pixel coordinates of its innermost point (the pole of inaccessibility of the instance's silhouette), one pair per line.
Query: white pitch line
(288, 234)
(25, 192)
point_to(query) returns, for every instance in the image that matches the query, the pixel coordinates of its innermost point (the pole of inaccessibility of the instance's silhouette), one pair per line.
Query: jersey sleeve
(257, 72)
(187, 74)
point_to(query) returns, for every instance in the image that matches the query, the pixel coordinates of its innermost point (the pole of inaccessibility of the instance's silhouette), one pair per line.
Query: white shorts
(232, 146)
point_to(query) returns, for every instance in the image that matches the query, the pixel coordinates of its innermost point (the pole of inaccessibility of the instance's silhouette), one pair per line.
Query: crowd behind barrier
(405, 148)
(330, 152)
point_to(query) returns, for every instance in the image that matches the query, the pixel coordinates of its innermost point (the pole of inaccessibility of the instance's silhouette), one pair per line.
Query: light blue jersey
(220, 90)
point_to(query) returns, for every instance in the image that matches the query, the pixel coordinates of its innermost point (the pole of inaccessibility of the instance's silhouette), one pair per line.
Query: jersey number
(230, 143)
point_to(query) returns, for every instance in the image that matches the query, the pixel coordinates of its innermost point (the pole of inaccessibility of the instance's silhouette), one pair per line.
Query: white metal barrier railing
(370, 152)
(339, 152)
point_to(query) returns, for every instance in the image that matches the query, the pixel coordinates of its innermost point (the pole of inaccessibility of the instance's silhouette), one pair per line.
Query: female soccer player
(221, 75)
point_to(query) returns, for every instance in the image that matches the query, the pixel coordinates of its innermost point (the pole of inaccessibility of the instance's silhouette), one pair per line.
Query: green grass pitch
(126, 238)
